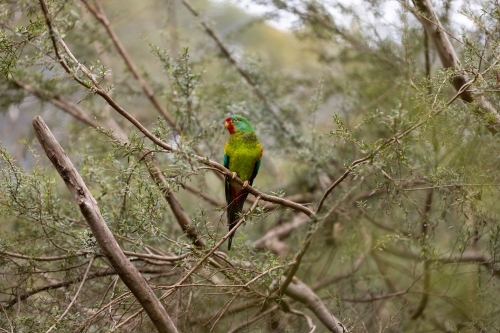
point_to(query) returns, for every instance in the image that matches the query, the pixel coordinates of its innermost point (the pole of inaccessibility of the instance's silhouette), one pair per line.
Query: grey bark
(449, 59)
(110, 248)
(301, 292)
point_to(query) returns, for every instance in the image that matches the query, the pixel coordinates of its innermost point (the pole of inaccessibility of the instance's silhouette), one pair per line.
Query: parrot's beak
(227, 123)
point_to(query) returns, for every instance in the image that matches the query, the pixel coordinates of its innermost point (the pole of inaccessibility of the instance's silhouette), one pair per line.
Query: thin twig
(258, 316)
(84, 278)
(99, 14)
(198, 264)
(275, 111)
(312, 327)
(53, 258)
(8, 319)
(156, 257)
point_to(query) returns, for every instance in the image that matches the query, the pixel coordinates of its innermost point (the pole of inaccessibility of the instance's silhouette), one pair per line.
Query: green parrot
(242, 155)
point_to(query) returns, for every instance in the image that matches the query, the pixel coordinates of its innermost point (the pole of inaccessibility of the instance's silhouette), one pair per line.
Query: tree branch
(74, 297)
(52, 258)
(301, 292)
(88, 206)
(449, 59)
(467, 257)
(99, 14)
(427, 274)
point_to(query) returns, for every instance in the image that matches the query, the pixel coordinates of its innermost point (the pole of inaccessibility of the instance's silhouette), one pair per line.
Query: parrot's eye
(235, 120)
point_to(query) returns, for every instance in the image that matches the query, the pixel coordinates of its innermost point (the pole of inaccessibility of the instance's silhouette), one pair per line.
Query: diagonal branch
(88, 206)
(301, 292)
(449, 59)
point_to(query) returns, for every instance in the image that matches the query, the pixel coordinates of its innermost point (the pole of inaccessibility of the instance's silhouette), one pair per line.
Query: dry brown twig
(250, 321)
(179, 284)
(74, 297)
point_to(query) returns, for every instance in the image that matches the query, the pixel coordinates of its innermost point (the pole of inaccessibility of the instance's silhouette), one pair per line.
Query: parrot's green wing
(255, 172)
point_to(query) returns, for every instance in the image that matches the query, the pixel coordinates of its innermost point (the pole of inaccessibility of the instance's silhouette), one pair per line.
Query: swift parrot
(242, 155)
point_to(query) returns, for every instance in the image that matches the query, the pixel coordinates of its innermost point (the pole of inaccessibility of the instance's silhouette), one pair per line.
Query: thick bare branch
(444, 48)
(449, 59)
(301, 292)
(88, 206)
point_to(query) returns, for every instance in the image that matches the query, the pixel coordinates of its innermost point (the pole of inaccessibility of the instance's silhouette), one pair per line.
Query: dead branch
(449, 59)
(301, 292)
(88, 206)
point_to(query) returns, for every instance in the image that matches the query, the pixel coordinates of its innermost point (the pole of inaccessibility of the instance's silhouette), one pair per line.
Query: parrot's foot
(245, 184)
(234, 175)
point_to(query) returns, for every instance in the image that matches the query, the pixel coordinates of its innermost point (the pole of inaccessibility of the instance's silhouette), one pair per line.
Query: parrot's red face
(229, 125)
(237, 124)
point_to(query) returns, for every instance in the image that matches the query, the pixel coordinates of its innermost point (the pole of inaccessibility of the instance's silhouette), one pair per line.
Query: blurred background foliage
(408, 242)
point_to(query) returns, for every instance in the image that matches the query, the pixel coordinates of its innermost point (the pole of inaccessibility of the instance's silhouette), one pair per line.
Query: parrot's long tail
(233, 213)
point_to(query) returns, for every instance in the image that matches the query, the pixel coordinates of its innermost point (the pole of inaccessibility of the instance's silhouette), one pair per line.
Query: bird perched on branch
(242, 155)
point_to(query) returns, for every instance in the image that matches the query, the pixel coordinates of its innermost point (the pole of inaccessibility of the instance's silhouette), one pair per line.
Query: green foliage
(417, 216)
